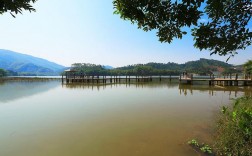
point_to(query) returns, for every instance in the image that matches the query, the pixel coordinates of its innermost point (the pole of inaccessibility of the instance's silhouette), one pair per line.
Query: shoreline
(3, 79)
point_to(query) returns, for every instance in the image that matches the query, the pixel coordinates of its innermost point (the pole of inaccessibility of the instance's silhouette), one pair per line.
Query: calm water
(156, 119)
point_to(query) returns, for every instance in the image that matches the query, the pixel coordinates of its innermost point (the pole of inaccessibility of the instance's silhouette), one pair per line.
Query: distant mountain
(27, 64)
(107, 67)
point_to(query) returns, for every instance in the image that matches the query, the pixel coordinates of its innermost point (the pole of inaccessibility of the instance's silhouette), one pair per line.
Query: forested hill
(202, 67)
(27, 65)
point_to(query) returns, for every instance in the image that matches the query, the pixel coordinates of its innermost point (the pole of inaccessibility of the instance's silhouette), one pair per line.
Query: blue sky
(86, 31)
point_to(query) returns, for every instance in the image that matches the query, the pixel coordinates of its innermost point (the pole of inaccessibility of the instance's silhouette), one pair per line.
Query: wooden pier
(71, 77)
(227, 80)
(221, 81)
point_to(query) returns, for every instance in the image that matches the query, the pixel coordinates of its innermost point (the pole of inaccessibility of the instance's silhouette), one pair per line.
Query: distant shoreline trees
(200, 67)
(3, 73)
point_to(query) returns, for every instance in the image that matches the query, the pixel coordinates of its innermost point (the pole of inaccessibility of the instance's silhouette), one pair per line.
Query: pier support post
(235, 83)
(225, 83)
(230, 83)
(245, 83)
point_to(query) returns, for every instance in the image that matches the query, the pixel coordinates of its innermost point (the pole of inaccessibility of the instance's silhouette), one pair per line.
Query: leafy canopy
(224, 32)
(16, 6)
(248, 67)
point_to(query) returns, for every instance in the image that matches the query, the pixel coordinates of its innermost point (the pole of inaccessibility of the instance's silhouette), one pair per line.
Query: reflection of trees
(185, 89)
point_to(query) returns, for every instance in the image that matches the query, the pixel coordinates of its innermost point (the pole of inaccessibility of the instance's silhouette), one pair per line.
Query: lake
(152, 119)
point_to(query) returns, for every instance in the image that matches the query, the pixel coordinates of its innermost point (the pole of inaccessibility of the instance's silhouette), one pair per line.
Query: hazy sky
(86, 31)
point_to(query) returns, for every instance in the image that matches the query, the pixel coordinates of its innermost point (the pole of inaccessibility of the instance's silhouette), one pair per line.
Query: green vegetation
(218, 26)
(202, 67)
(204, 148)
(233, 133)
(193, 142)
(15, 7)
(89, 69)
(248, 67)
(234, 129)
(2, 72)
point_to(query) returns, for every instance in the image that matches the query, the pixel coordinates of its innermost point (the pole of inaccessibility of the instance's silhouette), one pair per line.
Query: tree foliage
(16, 6)
(88, 69)
(2, 72)
(248, 67)
(224, 32)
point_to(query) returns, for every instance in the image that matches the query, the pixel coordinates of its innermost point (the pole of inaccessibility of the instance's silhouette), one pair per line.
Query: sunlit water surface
(155, 119)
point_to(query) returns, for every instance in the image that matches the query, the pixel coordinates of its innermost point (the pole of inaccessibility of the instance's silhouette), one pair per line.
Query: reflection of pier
(127, 85)
(189, 89)
(221, 81)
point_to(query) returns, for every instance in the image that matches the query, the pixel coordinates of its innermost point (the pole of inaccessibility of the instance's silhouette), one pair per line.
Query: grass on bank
(233, 132)
(233, 135)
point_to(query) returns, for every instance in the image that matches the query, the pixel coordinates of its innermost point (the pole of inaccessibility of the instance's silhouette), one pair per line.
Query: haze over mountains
(28, 65)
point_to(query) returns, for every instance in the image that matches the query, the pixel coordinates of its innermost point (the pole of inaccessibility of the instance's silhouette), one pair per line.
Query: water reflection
(10, 91)
(127, 85)
(184, 90)
(231, 90)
